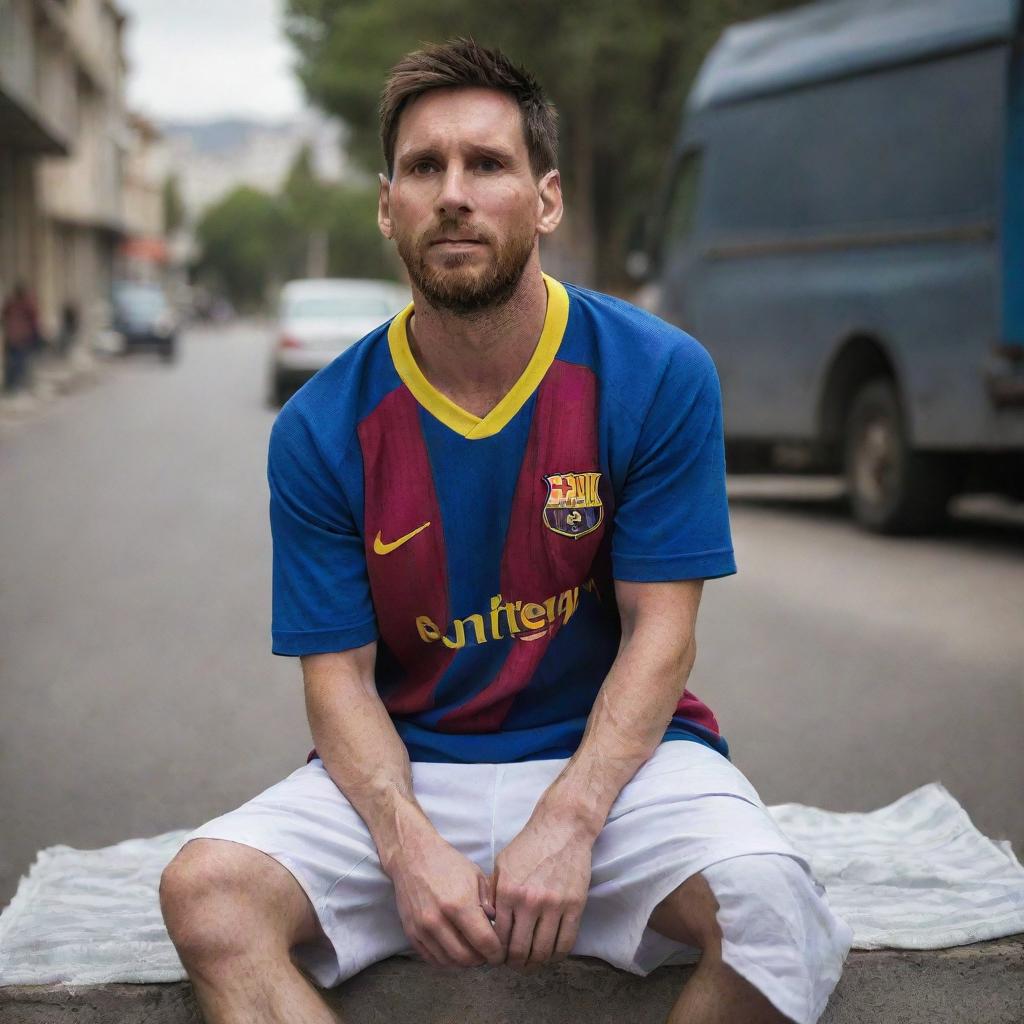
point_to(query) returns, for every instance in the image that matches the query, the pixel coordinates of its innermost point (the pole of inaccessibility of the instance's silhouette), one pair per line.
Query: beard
(455, 286)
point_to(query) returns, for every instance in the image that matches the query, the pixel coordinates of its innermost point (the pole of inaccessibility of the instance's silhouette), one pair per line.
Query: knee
(770, 901)
(689, 915)
(200, 892)
(779, 932)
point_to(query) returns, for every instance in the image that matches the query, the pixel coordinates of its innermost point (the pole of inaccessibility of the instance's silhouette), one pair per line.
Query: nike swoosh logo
(382, 548)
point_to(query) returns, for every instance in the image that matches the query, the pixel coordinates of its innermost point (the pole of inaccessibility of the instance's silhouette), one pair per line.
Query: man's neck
(475, 360)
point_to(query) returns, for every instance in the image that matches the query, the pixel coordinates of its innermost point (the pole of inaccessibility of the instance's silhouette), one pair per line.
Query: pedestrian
(492, 519)
(69, 321)
(20, 320)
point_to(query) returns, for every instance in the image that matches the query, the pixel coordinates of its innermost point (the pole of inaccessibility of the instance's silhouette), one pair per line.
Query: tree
(618, 74)
(252, 241)
(244, 238)
(304, 199)
(355, 245)
(333, 226)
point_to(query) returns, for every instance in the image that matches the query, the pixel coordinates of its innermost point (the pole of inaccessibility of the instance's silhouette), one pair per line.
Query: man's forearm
(360, 748)
(628, 721)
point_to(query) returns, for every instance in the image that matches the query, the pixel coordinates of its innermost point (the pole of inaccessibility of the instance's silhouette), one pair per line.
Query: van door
(1013, 202)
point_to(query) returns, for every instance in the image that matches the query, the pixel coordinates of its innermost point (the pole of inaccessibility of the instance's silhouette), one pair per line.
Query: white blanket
(913, 875)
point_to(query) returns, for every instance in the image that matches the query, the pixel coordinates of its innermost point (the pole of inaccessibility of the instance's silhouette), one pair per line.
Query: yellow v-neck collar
(455, 417)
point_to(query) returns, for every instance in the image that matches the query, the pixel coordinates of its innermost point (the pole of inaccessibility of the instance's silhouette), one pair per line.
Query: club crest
(573, 507)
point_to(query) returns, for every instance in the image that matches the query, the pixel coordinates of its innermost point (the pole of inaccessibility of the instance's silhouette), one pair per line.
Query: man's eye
(423, 167)
(488, 165)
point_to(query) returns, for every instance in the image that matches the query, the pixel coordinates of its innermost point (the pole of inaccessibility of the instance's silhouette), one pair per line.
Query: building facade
(145, 252)
(64, 137)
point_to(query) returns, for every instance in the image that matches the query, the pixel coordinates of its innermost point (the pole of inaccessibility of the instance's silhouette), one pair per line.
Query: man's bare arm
(442, 896)
(358, 744)
(636, 702)
(542, 877)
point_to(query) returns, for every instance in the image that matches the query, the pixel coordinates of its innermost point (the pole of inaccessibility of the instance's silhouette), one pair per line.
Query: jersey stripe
(411, 579)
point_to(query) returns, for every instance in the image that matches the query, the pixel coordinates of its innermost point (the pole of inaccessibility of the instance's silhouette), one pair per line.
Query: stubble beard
(463, 292)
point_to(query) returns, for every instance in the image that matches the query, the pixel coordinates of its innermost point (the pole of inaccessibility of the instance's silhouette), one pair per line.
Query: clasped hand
(526, 914)
(540, 885)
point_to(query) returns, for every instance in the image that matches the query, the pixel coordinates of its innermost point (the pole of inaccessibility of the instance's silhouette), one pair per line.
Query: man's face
(463, 205)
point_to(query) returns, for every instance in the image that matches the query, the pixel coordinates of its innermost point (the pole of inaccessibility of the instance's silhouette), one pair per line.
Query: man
(20, 321)
(492, 520)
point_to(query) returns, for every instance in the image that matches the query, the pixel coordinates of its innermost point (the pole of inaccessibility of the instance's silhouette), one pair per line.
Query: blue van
(844, 231)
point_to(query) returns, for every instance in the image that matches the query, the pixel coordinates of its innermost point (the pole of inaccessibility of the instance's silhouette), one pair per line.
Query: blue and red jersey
(480, 553)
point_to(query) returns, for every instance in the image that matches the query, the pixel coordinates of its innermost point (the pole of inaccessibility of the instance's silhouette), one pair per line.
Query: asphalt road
(138, 694)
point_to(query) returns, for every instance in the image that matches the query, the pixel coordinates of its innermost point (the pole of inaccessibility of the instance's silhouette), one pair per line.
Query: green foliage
(242, 238)
(252, 242)
(356, 247)
(302, 194)
(618, 74)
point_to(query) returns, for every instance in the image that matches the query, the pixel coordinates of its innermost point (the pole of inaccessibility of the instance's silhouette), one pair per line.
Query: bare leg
(715, 993)
(234, 915)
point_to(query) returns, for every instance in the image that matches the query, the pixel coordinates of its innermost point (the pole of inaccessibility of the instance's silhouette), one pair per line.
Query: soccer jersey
(480, 552)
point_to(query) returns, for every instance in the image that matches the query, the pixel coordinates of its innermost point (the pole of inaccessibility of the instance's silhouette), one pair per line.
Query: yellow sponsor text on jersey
(524, 620)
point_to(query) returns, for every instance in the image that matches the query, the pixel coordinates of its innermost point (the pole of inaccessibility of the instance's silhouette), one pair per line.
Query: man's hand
(444, 903)
(541, 880)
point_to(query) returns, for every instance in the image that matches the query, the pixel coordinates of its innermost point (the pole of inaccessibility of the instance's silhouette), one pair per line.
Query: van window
(683, 199)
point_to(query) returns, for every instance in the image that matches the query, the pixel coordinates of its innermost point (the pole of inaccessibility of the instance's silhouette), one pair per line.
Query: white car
(318, 319)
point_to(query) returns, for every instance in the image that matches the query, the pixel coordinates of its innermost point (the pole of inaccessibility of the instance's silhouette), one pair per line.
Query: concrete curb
(977, 984)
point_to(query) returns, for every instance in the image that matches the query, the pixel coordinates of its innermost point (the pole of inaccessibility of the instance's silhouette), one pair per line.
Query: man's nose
(454, 196)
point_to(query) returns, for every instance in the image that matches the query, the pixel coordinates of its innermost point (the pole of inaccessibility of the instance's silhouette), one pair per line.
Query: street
(139, 694)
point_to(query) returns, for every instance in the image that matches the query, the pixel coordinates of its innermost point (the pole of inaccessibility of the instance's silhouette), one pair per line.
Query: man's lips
(456, 241)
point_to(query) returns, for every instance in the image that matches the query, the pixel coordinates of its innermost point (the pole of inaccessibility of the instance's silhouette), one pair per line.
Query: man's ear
(384, 208)
(549, 202)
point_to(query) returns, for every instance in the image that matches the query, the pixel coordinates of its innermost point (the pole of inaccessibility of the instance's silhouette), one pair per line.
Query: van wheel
(891, 488)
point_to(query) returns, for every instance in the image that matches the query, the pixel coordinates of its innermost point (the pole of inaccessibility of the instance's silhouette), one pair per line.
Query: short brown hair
(462, 63)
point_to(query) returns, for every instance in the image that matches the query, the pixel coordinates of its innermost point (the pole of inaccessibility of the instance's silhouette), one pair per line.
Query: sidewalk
(977, 984)
(52, 376)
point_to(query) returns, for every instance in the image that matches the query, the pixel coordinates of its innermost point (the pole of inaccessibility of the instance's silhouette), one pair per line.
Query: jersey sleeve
(672, 518)
(321, 592)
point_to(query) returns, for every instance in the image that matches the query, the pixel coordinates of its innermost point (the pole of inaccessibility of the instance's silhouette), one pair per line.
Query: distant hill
(212, 137)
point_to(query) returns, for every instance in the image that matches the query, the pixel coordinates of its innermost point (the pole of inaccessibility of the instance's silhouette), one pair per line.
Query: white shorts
(688, 809)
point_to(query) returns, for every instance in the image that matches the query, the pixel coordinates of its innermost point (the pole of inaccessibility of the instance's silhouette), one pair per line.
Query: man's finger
(523, 923)
(478, 931)
(568, 929)
(435, 954)
(424, 953)
(456, 948)
(503, 922)
(544, 938)
(486, 898)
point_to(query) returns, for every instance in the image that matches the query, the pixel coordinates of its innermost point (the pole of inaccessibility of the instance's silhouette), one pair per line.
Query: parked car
(320, 318)
(143, 318)
(844, 231)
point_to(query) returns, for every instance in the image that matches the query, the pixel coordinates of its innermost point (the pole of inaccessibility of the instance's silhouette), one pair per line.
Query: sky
(199, 60)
